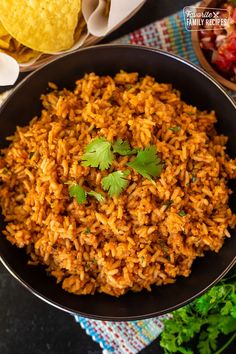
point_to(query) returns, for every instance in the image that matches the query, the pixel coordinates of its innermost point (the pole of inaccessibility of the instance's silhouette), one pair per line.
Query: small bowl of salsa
(214, 42)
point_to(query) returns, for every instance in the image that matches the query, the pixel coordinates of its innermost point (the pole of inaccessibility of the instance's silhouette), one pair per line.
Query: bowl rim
(65, 308)
(201, 57)
(137, 47)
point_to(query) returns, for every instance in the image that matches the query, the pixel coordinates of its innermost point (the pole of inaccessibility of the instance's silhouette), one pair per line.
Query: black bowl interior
(198, 89)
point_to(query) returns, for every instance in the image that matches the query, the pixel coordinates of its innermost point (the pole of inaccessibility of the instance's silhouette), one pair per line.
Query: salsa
(219, 42)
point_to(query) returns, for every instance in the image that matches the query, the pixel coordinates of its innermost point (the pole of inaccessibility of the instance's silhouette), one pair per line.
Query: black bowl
(197, 88)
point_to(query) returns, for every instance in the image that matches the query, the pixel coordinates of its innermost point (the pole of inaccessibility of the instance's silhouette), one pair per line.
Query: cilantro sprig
(98, 154)
(115, 182)
(182, 213)
(147, 163)
(78, 192)
(175, 129)
(204, 321)
(96, 195)
(123, 148)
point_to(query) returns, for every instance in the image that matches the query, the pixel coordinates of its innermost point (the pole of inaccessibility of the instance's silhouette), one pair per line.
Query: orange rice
(135, 240)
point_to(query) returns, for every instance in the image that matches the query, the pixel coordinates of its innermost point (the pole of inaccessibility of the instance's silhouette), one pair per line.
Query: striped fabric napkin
(131, 337)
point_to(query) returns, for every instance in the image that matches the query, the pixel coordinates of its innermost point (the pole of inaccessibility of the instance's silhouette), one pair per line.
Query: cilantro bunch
(205, 321)
(100, 154)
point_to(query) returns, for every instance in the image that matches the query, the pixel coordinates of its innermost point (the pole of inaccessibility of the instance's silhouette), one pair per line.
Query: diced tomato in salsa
(221, 43)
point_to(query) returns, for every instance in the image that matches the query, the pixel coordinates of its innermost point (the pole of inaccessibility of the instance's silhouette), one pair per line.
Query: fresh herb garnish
(78, 192)
(123, 148)
(75, 190)
(87, 231)
(182, 213)
(96, 195)
(91, 263)
(163, 246)
(147, 163)
(115, 182)
(87, 266)
(175, 129)
(194, 178)
(204, 321)
(98, 154)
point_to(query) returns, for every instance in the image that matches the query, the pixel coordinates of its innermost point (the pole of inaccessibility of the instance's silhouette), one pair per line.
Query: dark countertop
(30, 326)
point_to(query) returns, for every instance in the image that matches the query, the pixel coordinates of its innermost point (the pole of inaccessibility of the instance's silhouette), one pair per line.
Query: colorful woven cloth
(131, 337)
(167, 34)
(122, 337)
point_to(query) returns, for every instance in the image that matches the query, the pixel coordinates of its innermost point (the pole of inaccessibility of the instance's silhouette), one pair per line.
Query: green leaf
(207, 318)
(147, 163)
(78, 192)
(175, 129)
(226, 309)
(98, 154)
(208, 340)
(227, 324)
(233, 311)
(233, 297)
(123, 148)
(96, 195)
(203, 305)
(182, 213)
(115, 182)
(87, 230)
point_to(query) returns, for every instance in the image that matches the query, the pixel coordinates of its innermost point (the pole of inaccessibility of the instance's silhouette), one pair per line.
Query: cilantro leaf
(115, 182)
(98, 154)
(78, 192)
(123, 148)
(182, 213)
(226, 309)
(96, 195)
(203, 321)
(175, 129)
(227, 324)
(147, 163)
(233, 311)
